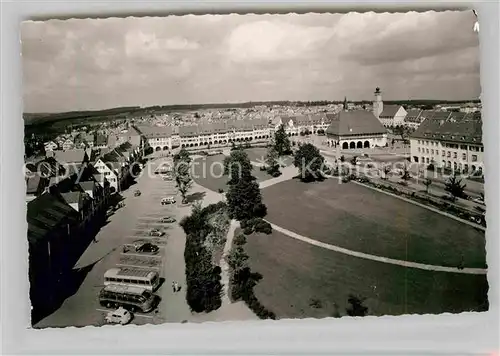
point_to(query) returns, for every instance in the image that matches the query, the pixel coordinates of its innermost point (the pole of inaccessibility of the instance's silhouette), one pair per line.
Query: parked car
(167, 219)
(137, 193)
(156, 232)
(120, 316)
(147, 248)
(168, 200)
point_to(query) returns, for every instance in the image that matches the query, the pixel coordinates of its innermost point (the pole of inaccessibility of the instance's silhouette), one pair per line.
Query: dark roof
(389, 110)
(354, 122)
(458, 127)
(88, 185)
(101, 140)
(45, 213)
(33, 184)
(70, 156)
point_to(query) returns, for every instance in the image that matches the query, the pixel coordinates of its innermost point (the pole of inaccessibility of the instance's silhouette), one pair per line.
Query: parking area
(116, 246)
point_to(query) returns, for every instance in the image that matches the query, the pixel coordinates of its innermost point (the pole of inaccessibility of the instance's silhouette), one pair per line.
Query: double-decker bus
(131, 298)
(145, 279)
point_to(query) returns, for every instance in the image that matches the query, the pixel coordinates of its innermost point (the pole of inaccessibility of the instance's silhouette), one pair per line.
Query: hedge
(203, 279)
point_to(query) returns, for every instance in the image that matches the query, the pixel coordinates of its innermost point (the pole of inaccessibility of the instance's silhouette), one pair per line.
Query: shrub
(220, 190)
(203, 280)
(260, 210)
(240, 240)
(263, 227)
(248, 230)
(262, 168)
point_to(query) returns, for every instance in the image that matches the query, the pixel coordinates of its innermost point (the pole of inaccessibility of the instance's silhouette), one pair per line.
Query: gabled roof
(45, 213)
(88, 185)
(414, 116)
(459, 128)
(155, 131)
(389, 110)
(70, 156)
(101, 140)
(33, 184)
(354, 122)
(72, 197)
(188, 131)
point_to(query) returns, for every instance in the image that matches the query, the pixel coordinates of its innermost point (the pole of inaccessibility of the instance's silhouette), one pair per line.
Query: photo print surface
(186, 169)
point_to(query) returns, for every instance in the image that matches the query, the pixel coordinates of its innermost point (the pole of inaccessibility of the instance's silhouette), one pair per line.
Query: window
(427, 150)
(454, 155)
(443, 153)
(482, 149)
(448, 154)
(464, 156)
(432, 151)
(474, 158)
(427, 160)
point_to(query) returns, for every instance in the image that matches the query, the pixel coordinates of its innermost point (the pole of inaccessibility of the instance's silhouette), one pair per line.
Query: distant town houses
(451, 141)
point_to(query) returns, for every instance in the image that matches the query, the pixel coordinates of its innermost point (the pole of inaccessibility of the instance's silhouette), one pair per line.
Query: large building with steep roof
(355, 129)
(451, 140)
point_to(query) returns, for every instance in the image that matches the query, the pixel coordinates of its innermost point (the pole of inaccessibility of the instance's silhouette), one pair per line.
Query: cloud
(273, 41)
(93, 64)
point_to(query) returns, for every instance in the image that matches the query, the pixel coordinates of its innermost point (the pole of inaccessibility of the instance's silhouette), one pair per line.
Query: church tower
(378, 104)
(345, 104)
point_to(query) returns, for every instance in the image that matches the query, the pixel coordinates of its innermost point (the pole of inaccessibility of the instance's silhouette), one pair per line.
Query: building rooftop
(457, 127)
(389, 110)
(356, 122)
(70, 156)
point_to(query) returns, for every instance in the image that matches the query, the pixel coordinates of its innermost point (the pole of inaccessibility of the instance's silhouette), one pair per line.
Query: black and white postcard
(186, 169)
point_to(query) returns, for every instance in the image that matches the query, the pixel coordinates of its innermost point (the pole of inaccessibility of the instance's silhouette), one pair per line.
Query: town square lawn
(361, 219)
(301, 280)
(258, 154)
(207, 172)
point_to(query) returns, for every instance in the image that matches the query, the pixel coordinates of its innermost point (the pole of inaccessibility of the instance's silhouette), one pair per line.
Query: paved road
(126, 225)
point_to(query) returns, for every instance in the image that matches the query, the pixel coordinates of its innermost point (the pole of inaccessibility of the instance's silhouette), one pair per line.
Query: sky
(92, 64)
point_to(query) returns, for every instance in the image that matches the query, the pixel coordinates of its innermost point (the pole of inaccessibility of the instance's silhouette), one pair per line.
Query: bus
(128, 297)
(145, 279)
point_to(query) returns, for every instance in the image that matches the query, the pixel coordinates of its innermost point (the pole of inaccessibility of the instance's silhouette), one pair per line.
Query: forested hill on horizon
(123, 112)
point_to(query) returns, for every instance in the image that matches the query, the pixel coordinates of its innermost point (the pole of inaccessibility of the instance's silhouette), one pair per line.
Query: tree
(455, 187)
(272, 165)
(354, 160)
(427, 182)
(244, 200)
(243, 197)
(356, 307)
(342, 158)
(282, 142)
(183, 178)
(310, 162)
(236, 165)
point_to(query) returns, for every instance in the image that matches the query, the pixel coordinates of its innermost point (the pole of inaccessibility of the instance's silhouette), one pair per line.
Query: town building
(159, 138)
(389, 115)
(295, 125)
(451, 140)
(355, 129)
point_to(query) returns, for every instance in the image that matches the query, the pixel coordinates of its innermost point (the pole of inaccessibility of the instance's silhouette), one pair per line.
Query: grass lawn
(295, 273)
(258, 154)
(208, 173)
(361, 219)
